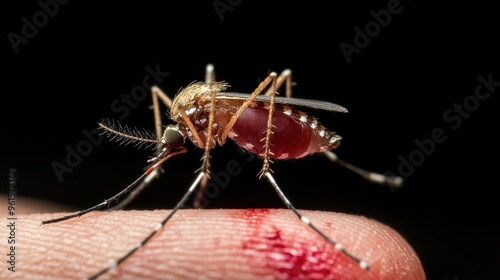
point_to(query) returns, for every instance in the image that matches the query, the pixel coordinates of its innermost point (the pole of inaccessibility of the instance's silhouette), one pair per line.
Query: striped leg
(306, 221)
(373, 177)
(157, 228)
(286, 75)
(157, 94)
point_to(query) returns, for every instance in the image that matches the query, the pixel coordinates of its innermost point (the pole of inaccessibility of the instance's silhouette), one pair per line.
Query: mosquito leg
(285, 76)
(129, 188)
(247, 103)
(205, 167)
(209, 74)
(191, 127)
(162, 96)
(391, 181)
(306, 221)
(267, 144)
(206, 155)
(156, 93)
(101, 205)
(141, 244)
(209, 78)
(156, 112)
(134, 193)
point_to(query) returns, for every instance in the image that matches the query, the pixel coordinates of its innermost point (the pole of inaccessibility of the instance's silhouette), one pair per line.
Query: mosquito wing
(315, 104)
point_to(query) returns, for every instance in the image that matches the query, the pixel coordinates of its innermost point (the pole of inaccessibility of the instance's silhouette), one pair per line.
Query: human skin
(208, 244)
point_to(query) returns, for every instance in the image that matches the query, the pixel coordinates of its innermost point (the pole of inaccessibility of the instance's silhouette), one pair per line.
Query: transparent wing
(315, 104)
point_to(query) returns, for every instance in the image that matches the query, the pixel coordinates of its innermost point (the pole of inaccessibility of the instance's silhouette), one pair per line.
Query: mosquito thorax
(187, 97)
(173, 137)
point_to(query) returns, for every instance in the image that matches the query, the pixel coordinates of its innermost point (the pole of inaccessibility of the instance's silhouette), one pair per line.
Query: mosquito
(262, 123)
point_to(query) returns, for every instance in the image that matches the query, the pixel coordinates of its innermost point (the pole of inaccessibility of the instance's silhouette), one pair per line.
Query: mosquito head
(172, 137)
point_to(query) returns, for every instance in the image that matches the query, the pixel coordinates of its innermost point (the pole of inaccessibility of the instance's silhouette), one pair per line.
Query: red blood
(290, 139)
(290, 257)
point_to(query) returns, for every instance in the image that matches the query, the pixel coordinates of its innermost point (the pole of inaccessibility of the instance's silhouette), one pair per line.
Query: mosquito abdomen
(295, 134)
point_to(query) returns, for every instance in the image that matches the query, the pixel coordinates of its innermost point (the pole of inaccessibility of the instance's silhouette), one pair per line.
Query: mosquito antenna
(139, 245)
(172, 139)
(391, 181)
(126, 135)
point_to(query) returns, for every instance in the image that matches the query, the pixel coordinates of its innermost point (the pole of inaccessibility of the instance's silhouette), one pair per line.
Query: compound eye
(173, 137)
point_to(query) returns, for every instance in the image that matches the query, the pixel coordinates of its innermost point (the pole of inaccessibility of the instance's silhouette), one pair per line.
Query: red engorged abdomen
(290, 139)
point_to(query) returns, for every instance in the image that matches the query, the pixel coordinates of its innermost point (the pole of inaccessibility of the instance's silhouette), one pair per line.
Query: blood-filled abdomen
(291, 137)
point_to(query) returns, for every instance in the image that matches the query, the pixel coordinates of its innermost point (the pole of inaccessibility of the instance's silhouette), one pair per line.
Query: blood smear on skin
(268, 248)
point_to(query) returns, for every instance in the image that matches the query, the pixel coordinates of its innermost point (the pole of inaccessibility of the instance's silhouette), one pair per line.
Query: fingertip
(221, 243)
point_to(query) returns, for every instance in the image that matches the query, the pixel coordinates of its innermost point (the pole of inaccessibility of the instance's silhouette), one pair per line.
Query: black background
(397, 89)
